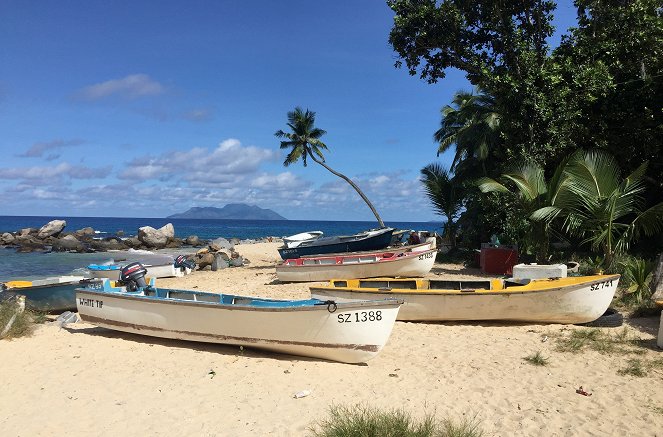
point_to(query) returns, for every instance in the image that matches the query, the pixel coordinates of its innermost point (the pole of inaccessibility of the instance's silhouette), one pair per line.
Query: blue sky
(144, 109)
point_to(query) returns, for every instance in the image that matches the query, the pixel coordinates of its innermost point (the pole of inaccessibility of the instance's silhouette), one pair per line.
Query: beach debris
(581, 391)
(302, 394)
(66, 318)
(286, 371)
(394, 375)
(544, 339)
(212, 373)
(20, 307)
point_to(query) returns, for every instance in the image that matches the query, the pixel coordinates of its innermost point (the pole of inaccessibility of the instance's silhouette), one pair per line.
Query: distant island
(233, 211)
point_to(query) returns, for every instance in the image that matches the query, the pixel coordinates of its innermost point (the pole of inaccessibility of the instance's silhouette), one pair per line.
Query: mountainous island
(232, 211)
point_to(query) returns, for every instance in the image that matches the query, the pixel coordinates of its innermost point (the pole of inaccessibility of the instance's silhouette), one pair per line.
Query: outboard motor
(182, 262)
(133, 276)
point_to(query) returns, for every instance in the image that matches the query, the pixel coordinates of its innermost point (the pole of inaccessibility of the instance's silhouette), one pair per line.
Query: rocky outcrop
(192, 240)
(68, 243)
(152, 237)
(217, 258)
(7, 238)
(84, 234)
(51, 229)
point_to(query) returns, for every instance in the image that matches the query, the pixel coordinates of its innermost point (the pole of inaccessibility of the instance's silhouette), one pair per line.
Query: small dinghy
(351, 332)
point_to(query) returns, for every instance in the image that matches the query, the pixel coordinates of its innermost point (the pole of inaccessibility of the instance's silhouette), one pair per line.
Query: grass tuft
(346, 421)
(634, 368)
(537, 359)
(24, 323)
(598, 340)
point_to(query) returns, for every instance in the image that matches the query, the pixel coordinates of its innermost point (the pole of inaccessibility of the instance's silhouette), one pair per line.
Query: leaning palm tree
(446, 194)
(304, 140)
(472, 124)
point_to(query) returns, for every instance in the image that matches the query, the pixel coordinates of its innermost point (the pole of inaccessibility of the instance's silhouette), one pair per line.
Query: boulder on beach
(28, 243)
(168, 230)
(192, 240)
(108, 244)
(51, 229)
(26, 231)
(221, 243)
(84, 234)
(68, 243)
(152, 237)
(7, 238)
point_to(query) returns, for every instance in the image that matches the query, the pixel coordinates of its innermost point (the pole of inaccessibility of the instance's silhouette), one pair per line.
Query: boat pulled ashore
(577, 299)
(348, 332)
(357, 265)
(375, 239)
(177, 268)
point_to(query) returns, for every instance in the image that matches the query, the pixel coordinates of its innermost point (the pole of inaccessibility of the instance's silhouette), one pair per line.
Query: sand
(83, 380)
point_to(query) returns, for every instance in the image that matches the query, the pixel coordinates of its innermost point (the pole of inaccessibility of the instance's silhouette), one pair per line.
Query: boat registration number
(601, 285)
(426, 256)
(359, 317)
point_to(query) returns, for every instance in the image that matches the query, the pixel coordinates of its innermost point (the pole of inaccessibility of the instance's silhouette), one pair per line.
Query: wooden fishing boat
(365, 265)
(374, 239)
(351, 332)
(50, 295)
(112, 271)
(561, 300)
(55, 294)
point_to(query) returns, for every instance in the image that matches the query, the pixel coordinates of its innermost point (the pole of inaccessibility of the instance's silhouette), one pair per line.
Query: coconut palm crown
(304, 142)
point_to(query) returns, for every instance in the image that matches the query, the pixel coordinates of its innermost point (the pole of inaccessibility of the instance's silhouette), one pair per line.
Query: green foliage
(24, 322)
(446, 194)
(599, 340)
(537, 359)
(304, 142)
(359, 420)
(638, 274)
(640, 368)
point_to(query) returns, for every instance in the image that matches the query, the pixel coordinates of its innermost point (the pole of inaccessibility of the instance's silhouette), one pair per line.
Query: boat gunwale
(463, 292)
(406, 256)
(340, 306)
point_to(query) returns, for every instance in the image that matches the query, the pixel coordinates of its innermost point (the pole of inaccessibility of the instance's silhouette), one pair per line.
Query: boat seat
(458, 285)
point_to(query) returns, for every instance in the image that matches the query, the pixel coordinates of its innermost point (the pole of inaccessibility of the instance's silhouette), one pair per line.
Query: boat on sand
(577, 299)
(374, 239)
(349, 332)
(364, 265)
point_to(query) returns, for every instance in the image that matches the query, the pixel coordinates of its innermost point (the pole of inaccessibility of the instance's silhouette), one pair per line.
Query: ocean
(34, 265)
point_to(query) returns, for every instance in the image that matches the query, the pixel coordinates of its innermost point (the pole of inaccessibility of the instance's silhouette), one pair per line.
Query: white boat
(348, 266)
(297, 239)
(577, 299)
(350, 332)
(112, 271)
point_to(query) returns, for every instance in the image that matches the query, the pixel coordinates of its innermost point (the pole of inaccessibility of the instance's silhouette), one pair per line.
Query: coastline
(99, 377)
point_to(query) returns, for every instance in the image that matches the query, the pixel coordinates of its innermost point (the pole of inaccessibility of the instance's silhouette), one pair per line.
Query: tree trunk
(347, 179)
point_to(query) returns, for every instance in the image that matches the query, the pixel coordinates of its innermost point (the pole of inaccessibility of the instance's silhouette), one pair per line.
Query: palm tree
(472, 124)
(446, 194)
(534, 194)
(304, 140)
(604, 209)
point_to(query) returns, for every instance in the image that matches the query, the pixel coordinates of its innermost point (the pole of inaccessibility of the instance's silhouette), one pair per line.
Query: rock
(192, 240)
(174, 243)
(52, 228)
(222, 243)
(237, 262)
(29, 243)
(214, 247)
(84, 234)
(202, 251)
(204, 260)
(234, 241)
(152, 237)
(68, 243)
(221, 261)
(108, 244)
(7, 238)
(133, 242)
(168, 230)
(27, 231)
(120, 233)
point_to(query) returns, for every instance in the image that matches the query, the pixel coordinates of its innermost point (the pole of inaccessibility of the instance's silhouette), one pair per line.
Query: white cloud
(132, 86)
(38, 173)
(38, 149)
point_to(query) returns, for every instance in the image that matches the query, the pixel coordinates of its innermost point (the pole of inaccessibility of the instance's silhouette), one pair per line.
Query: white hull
(159, 271)
(579, 303)
(340, 335)
(358, 266)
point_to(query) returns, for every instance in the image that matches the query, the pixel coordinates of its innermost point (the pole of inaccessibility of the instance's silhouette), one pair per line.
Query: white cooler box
(539, 271)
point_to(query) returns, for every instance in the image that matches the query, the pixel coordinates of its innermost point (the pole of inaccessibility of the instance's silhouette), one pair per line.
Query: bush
(24, 322)
(364, 421)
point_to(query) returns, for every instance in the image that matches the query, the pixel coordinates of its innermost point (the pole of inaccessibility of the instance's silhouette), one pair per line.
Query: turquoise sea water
(33, 265)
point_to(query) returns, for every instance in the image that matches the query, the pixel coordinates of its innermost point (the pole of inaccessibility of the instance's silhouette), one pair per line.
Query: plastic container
(498, 260)
(539, 271)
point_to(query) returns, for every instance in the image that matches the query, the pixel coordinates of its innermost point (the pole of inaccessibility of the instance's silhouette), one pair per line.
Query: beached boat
(112, 271)
(297, 239)
(352, 332)
(366, 265)
(54, 294)
(374, 239)
(561, 300)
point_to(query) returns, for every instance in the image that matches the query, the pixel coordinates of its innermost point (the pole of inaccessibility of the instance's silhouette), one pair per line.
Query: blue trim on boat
(103, 267)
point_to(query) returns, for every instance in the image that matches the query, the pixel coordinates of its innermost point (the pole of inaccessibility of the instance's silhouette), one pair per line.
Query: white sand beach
(83, 380)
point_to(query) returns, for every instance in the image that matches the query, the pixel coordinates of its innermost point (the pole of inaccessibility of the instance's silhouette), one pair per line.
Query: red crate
(498, 260)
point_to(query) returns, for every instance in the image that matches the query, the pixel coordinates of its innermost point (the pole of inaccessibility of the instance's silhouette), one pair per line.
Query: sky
(145, 108)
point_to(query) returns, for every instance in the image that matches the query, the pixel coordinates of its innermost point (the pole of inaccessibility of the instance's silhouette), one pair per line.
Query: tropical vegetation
(563, 145)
